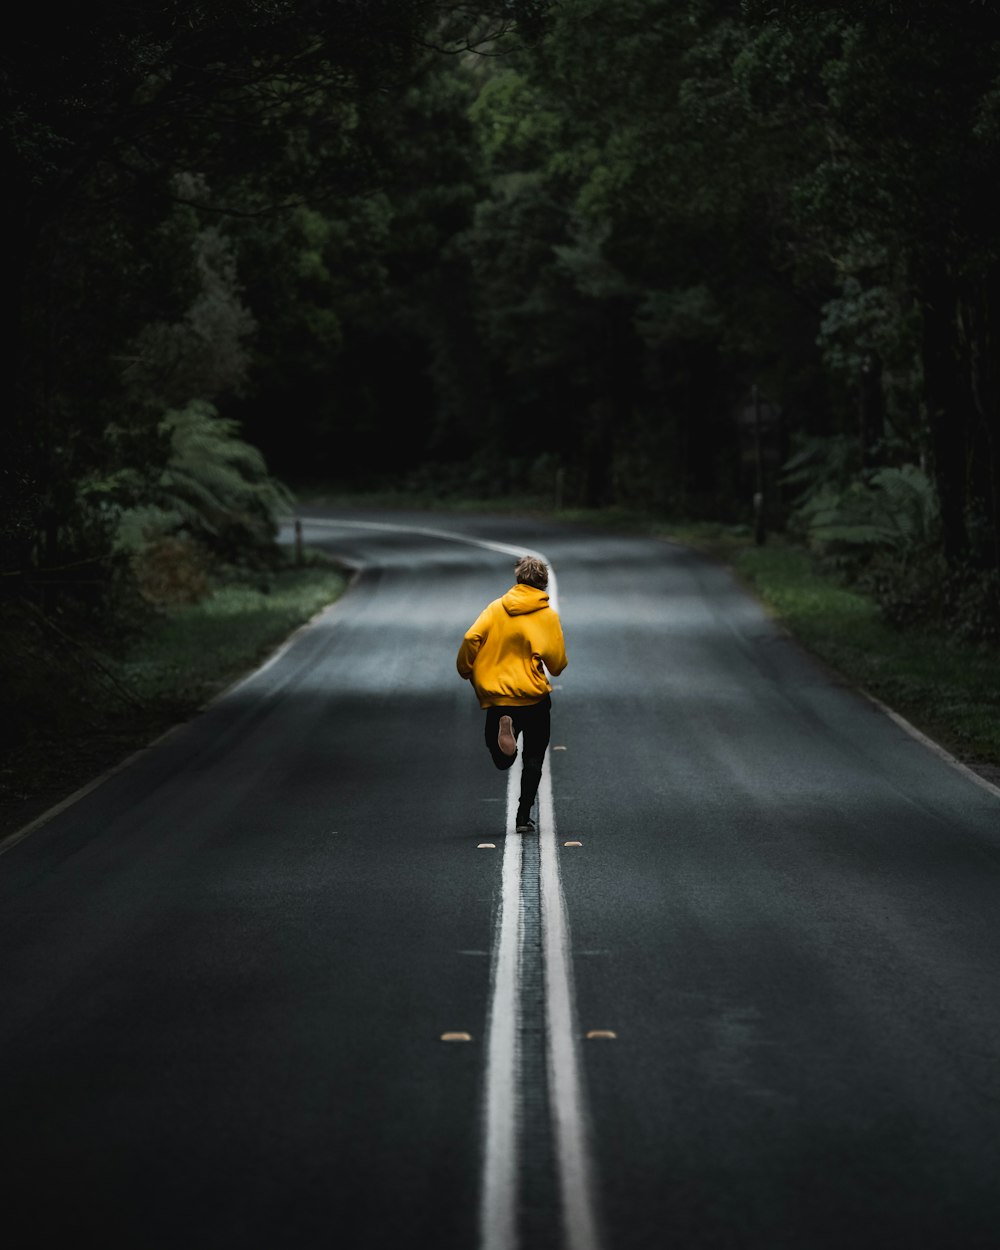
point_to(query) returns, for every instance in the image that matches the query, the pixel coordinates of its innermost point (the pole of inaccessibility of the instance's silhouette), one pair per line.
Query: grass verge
(187, 655)
(948, 689)
(193, 652)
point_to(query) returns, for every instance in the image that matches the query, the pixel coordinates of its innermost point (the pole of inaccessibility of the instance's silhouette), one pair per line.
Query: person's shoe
(505, 738)
(525, 826)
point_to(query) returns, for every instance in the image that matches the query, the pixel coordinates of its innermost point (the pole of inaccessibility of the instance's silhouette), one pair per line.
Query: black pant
(533, 722)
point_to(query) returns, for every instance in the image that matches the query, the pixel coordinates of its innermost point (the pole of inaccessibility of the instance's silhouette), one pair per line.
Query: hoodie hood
(521, 599)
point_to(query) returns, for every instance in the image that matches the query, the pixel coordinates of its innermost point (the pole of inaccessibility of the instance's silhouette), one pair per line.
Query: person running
(505, 654)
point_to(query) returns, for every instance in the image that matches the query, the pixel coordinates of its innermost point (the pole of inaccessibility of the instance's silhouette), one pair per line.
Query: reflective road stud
(486, 846)
(456, 1037)
(572, 844)
(601, 1035)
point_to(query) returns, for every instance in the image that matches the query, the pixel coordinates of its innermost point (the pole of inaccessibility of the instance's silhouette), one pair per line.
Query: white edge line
(566, 1099)
(501, 1159)
(12, 839)
(939, 751)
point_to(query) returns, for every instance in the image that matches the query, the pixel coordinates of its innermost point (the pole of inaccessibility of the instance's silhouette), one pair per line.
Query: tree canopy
(650, 252)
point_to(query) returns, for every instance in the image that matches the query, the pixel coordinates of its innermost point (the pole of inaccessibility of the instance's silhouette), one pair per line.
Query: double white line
(567, 1115)
(499, 1201)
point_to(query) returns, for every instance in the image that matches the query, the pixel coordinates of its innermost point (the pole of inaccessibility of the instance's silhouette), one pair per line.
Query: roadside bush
(964, 602)
(219, 487)
(881, 530)
(171, 570)
(975, 607)
(888, 510)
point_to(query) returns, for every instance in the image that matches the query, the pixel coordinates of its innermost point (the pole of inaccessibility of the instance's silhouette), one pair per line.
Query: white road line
(12, 839)
(498, 1223)
(501, 1156)
(931, 745)
(499, 1193)
(504, 548)
(566, 1097)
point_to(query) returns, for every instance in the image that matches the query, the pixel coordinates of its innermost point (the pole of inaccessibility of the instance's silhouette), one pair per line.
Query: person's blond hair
(532, 572)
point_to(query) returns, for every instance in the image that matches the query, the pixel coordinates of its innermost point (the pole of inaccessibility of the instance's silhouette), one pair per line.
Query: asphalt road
(225, 972)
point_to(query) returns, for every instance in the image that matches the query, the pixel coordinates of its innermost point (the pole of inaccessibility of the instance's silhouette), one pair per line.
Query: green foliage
(947, 684)
(213, 496)
(840, 510)
(893, 510)
(817, 463)
(513, 124)
(680, 314)
(927, 593)
(580, 250)
(171, 570)
(218, 484)
(204, 354)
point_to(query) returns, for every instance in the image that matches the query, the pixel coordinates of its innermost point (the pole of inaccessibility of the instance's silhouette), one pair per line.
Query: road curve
(227, 969)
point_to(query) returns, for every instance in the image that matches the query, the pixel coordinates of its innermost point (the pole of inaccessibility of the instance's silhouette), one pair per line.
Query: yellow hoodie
(505, 649)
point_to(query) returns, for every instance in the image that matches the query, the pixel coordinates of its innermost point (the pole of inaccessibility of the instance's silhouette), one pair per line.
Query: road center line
(568, 1108)
(502, 1151)
(498, 1201)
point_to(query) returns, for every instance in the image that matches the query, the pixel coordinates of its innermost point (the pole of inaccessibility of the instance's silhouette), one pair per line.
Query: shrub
(170, 570)
(889, 510)
(965, 602)
(218, 485)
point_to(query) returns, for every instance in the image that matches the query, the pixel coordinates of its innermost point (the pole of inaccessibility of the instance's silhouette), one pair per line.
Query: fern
(892, 510)
(217, 483)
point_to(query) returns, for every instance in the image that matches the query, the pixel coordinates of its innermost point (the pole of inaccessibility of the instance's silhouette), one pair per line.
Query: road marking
(931, 745)
(504, 548)
(501, 1157)
(498, 1200)
(569, 1118)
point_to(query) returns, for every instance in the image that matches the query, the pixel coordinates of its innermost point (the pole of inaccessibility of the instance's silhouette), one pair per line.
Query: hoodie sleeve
(554, 655)
(471, 643)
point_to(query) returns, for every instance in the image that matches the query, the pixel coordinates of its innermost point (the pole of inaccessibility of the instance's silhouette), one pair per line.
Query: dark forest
(706, 260)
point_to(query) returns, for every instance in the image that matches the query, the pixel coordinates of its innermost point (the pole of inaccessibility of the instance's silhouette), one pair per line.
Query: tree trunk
(948, 412)
(871, 409)
(599, 455)
(979, 311)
